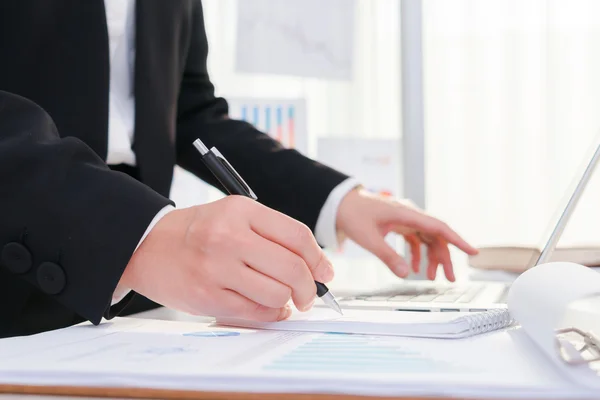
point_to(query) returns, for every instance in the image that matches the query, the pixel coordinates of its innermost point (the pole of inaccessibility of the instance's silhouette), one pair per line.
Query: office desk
(139, 395)
(205, 396)
(165, 314)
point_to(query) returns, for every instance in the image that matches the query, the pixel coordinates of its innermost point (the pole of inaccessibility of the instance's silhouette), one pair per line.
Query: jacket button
(51, 278)
(16, 258)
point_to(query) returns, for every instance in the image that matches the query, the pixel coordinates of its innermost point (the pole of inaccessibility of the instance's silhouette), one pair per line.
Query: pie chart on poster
(212, 334)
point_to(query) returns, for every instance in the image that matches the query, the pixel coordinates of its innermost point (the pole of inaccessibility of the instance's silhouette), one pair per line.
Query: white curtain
(366, 105)
(512, 109)
(512, 106)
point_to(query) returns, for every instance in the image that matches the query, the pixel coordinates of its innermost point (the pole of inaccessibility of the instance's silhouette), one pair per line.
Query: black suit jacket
(69, 225)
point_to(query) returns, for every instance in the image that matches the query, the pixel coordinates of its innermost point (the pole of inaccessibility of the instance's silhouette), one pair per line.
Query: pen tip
(332, 302)
(337, 307)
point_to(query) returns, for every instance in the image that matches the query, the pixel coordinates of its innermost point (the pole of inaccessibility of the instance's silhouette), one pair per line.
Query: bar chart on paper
(358, 353)
(282, 119)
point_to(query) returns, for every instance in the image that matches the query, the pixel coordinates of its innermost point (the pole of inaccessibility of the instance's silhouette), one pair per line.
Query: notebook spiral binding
(487, 321)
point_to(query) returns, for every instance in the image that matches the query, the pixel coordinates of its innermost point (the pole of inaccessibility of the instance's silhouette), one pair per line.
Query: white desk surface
(166, 314)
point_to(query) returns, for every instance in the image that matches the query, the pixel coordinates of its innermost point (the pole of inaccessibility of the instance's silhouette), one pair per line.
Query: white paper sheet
(367, 322)
(539, 300)
(308, 38)
(188, 356)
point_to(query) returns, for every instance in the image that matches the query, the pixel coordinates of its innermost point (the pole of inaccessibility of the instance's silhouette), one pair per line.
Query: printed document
(194, 356)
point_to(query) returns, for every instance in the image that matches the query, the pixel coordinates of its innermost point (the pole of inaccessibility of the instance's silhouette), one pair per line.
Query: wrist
(123, 287)
(345, 208)
(164, 229)
(326, 230)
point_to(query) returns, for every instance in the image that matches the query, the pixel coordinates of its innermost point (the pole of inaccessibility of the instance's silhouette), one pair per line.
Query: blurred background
(483, 112)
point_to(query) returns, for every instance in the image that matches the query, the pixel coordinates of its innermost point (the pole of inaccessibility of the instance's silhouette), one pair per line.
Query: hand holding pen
(235, 185)
(230, 258)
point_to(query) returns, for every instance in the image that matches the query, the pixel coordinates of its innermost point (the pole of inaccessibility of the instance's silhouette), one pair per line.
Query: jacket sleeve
(283, 179)
(69, 224)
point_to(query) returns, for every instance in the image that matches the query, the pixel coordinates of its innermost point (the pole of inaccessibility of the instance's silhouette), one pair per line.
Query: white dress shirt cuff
(325, 230)
(121, 292)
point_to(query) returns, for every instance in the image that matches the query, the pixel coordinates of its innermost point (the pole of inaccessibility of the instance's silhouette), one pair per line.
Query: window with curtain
(511, 102)
(512, 110)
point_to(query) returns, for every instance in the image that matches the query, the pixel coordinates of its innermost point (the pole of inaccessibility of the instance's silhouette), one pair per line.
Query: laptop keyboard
(451, 294)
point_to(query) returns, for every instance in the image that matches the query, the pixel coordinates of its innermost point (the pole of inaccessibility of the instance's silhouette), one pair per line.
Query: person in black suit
(124, 83)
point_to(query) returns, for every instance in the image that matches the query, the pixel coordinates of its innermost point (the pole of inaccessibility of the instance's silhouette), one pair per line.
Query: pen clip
(237, 176)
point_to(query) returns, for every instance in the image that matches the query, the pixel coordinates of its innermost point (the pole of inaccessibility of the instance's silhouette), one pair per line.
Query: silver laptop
(471, 296)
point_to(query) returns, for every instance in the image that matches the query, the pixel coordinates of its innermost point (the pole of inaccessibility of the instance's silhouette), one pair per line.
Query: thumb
(377, 245)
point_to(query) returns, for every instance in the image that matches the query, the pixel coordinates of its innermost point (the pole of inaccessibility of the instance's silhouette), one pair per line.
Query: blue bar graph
(255, 120)
(268, 119)
(356, 353)
(282, 119)
(291, 127)
(279, 134)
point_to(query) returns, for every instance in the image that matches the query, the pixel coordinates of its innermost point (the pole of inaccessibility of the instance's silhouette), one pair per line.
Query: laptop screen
(567, 205)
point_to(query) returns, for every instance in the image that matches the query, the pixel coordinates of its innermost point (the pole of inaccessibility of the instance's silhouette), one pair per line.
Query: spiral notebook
(384, 322)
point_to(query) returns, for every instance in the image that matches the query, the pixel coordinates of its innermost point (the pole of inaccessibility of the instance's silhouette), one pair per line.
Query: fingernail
(285, 312)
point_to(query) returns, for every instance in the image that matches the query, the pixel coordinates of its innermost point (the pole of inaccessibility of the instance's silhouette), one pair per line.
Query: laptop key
(377, 298)
(414, 291)
(446, 298)
(469, 296)
(458, 291)
(423, 298)
(401, 298)
(420, 294)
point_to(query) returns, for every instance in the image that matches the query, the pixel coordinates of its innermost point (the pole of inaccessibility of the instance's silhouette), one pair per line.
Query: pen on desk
(234, 184)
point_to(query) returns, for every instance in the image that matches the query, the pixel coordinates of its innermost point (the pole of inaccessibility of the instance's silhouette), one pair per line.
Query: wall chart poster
(282, 119)
(305, 38)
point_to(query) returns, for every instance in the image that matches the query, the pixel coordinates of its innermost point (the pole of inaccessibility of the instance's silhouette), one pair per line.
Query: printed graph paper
(282, 119)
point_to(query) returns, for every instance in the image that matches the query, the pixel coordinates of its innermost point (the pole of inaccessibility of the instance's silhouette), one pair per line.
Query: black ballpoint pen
(234, 184)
